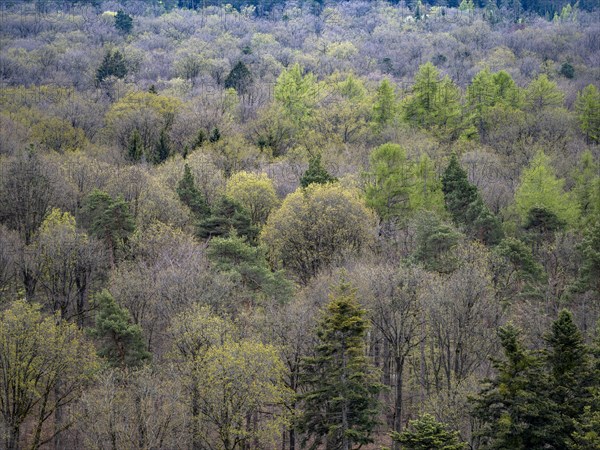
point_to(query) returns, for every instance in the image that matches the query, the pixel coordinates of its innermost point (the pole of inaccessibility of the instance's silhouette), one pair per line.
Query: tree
(113, 65)
(135, 148)
(191, 196)
(539, 188)
(543, 93)
(514, 406)
(426, 433)
(297, 94)
(385, 105)
(340, 402)
(227, 217)
(256, 192)
(570, 371)
(316, 173)
(587, 106)
(122, 342)
(109, 220)
(466, 206)
(123, 22)
(162, 148)
(37, 354)
(239, 78)
(316, 226)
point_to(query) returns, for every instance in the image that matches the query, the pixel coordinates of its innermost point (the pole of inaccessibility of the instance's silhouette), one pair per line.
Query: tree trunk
(399, 360)
(12, 439)
(196, 444)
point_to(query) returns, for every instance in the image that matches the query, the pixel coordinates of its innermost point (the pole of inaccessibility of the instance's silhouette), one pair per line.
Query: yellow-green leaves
(255, 192)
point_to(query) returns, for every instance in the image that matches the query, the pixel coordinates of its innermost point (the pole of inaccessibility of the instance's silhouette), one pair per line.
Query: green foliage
(246, 263)
(589, 248)
(239, 78)
(434, 103)
(135, 148)
(227, 217)
(191, 196)
(567, 70)
(113, 65)
(256, 192)
(587, 106)
(426, 433)
(123, 22)
(514, 406)
(315, 227)
(587, 187)
(466, 206)
(340, 401)
(121, 341)
(385, 106)
(108, 219)
(435, 241)
(162, 149)
(521, 258)
(543, 93)
(297, 94)
(539, 188)
(316, 173)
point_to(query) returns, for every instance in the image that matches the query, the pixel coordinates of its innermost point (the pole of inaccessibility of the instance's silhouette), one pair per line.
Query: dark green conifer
(239, 78)
(227, 216)
(135, 147)
(113, 65)
(191, 196)
(316, 173)
(123, 22)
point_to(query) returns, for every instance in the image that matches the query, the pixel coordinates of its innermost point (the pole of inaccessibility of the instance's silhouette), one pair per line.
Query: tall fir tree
(340, 401)
(227, 218)
(426, 433)
(113, 65)
(135, 148)
(123, 22)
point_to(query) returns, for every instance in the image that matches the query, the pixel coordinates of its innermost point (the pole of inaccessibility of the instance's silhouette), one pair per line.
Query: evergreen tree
(426, 433)
(570, 372)
(543, 93)
(200, 139)
(239, 78)
(113, 65)
(316, 173)
(121, 341)
(162, 149)
(123, 22)
(340, 403)
(191, 196)
(514, 407)
(466, 205)
(135, 146)
(215, 135)
(227, 216)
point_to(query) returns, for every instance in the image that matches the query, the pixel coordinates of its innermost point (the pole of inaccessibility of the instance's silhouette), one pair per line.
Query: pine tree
(426, 433)
(191, 196)
(123, 22)
(122, 342)
(340, 402)
(215, 135)
(135, 147)
(227, 216)
(316, 173)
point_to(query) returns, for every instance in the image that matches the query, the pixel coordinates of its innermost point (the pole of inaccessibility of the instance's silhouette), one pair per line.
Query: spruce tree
(113, 65)
(162, 149)
(121, 340)
(191, 196)
(239, 78)
(340, 401)
(316, 173)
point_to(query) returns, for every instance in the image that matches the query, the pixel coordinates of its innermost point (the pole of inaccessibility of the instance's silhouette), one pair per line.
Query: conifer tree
(426, 433)
(135, 147)
(123, 22)
(162, 150)
(587, 106)
(514, 408)
(340, 402)
(239, 78)
(191, 196)
(121, 340)
(227, 216)
(466, 205)
(385, 106)
(113, 65)
(316, 173)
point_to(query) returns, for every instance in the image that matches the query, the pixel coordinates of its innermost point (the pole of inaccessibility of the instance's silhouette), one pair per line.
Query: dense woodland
(321, 225)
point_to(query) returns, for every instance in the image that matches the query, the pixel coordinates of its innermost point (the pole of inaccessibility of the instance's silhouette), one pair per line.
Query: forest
(299, 225)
